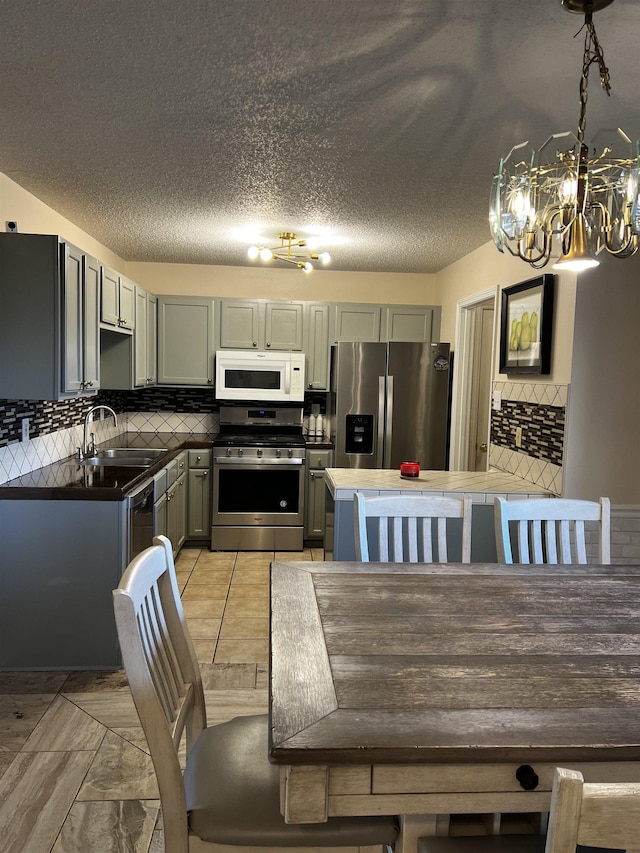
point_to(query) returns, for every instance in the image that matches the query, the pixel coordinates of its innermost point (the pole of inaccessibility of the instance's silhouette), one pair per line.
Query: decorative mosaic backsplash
(539, 410)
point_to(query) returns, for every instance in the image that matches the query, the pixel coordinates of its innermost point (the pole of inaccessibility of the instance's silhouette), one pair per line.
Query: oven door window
(271, 489)
(252, 380)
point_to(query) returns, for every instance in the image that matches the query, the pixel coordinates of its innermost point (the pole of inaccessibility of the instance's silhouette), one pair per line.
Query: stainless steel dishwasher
(140, 516)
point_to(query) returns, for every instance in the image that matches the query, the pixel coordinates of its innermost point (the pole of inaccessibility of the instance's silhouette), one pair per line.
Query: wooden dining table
(433, 690)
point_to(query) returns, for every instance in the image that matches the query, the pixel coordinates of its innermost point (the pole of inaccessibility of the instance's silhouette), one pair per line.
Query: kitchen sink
(132, 457)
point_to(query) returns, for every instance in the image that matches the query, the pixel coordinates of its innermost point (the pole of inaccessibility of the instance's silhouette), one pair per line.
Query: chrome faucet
(89, 447)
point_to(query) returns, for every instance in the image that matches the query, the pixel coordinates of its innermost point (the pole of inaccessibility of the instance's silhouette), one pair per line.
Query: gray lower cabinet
(199, 495)
(186, 348)
(48, 319)
(317, 461)
(56, 608)
(177, 513)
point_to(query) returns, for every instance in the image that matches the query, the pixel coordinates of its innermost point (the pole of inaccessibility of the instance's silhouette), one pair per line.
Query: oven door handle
(237, 460)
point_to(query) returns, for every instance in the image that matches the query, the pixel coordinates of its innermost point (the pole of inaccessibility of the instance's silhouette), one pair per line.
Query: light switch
(497, 401)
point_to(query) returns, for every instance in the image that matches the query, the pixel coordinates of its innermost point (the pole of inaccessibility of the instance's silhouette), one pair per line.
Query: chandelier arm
(623, 251)
(525, 254)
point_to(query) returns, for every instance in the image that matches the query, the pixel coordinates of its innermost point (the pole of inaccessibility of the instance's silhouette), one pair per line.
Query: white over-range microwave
(249, 375)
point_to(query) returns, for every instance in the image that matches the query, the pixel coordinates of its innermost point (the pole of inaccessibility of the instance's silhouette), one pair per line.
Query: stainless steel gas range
(258, 479)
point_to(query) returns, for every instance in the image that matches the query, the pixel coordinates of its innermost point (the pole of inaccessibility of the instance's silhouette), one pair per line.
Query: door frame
(462, 373)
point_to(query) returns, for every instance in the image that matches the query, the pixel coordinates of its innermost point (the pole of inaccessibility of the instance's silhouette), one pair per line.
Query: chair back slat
(523, 541)
(442, 539)
(552, 544)
(384, 542)
(397, 539)
(412, 528)
(410, 521)
(160, 659)
(551, 530)
(581, 548)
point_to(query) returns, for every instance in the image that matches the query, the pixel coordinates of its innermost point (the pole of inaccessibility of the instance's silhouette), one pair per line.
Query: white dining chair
(589, 817)
(403, 527)
(230, 793)
(551, 530)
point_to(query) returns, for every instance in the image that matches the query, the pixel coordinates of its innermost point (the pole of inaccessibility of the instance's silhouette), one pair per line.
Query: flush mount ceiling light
(570, 198)
(289, 251)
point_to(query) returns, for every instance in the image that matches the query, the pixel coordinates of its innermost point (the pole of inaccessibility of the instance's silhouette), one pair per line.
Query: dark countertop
(68, 480)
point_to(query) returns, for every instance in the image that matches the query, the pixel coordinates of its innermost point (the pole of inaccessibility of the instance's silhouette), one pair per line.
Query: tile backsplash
(539, 410)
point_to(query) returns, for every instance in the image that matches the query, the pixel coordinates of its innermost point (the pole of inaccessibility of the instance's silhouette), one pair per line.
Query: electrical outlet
(11, 225)
(518, 436)
(497, 401)
(25, 429)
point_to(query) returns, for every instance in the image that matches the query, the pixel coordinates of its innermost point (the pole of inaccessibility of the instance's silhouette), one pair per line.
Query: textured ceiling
(181, 132)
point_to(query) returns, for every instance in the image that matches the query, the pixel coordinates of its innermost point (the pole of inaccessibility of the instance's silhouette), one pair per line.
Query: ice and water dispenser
(359, 434)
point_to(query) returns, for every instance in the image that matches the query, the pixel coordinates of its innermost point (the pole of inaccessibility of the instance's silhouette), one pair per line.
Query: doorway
(471, 407)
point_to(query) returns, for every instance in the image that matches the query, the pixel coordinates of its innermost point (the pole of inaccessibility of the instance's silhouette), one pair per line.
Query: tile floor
(75, 774)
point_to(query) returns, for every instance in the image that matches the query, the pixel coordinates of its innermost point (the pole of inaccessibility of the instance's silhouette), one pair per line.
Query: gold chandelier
(570, 198)
(289, 252)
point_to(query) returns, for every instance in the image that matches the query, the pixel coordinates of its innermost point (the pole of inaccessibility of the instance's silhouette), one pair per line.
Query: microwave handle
(287, 377)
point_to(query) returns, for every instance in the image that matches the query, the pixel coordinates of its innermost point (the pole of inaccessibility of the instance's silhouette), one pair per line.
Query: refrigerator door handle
(379, 460)
(388, 423)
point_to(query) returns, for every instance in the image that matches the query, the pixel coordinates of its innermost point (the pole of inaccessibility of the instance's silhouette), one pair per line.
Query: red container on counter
(409, 469)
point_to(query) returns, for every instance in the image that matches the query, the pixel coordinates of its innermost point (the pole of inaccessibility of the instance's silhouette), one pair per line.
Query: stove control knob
(278, 453)
(259, 451)
(228, 451)
(240, 452)
(290, 453)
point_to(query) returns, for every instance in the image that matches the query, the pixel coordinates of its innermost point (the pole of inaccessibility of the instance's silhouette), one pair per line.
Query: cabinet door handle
(204, 473)
(269, 343)
(255, 343)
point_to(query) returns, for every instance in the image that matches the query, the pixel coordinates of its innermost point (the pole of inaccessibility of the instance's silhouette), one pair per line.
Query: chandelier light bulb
(568, 190)
(325, 258)
(307, 266)
(253, 253)
(266, 254)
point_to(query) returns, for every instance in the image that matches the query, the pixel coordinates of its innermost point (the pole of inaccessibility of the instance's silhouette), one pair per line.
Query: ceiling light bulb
(576, 265)
(307, 266)
(568, 190)
(266, 254)
(253, 253)
(324, 258)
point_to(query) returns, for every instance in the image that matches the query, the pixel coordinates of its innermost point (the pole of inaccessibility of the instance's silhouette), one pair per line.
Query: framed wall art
(526, 324)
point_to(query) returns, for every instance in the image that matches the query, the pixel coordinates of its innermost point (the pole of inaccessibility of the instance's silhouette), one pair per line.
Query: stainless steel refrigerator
(390, 404)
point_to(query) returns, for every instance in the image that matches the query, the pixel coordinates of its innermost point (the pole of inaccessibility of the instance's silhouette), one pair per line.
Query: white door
(472, 377)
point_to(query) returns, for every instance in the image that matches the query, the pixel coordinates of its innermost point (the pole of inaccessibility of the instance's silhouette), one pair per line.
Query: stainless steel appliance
(140, 506)
(390, 404)
(269, 376)
(258, 479)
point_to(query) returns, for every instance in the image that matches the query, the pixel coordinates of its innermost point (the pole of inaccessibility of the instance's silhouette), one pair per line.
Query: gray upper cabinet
(152, 339)
(117, 301)
(283, 325)
(261, 324)
(81, 347)
(316, 345)
(410, 323)
(129, 361)
(48, 319)
(186, 348)
(145, 338)
(356, 322)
